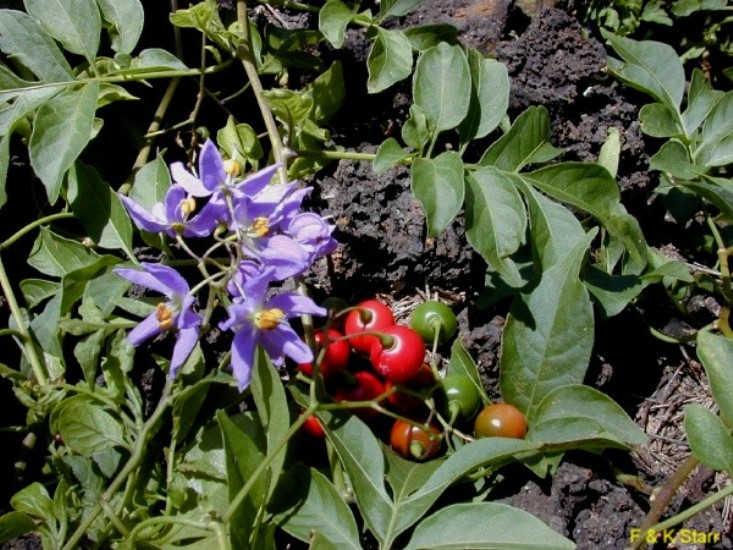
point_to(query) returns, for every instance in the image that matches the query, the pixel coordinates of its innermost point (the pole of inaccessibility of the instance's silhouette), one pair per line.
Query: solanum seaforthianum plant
(148, 272)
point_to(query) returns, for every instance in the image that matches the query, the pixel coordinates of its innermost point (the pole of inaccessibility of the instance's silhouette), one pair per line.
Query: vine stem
(262, 466)
(31, 226)
(664, 497)
(693, 510)
(244, 53)
(31, 353)
(132, 464)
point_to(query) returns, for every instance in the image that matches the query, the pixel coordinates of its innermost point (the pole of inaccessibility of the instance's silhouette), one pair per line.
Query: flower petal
(294, 304)
(185, 342)
(142, 218)
(283, 340)
(147, 328)
(243, 353)
(285, 256)
(160, 278)
(256, 182)
(188, 181)
(211, 167)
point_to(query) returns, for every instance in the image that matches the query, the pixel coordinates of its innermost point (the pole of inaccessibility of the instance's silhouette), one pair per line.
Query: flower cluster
(268, 238)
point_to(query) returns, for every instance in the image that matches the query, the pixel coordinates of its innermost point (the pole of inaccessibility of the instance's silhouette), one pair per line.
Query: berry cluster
(377, 367)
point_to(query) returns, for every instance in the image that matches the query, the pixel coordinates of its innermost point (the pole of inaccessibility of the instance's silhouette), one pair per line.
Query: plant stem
(693, 510)
(31, 226)
(144, 153)
(337, 155)
(244, 53)
(272, 453)
(31, 353)
(664, 496)
(133, 463)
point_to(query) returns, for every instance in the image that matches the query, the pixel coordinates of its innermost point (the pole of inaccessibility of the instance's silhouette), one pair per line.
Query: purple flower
(170, 216)
(174, 313)
(256, 320)
(313, 233)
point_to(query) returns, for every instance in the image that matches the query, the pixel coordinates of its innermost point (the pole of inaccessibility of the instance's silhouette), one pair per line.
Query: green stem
(244, 53)
(664, 497)
(31, 353)
(144, 154)
(133, 463)
(31, 226)
(11, 332)
(337, 155)
(693, 510)
(262, 466)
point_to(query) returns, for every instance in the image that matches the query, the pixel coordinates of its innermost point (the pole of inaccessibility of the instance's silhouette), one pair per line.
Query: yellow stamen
(268, 319)
(188, 205)
(261, 226)
(233, 167)
(164, 315)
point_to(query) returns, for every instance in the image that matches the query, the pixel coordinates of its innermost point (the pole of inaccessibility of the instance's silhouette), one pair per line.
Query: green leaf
(485, 525)
(333, 19)
(548, 336)
(591, 188)
(320, 509)
(554, 230)
(76, 24)
(85, 427)
(438, 185)
(125, 19)
(526, 142)
(423, 37)
(242, 459)
(34, 500)
(23, 106)
(105, 290)
(652, 67)
(4, 165)
(407, 476)
(151, 183)
(716, 355)
(328, 93)
(56, 256)
(442, 77)
(62, 128)
(99, 209)
(495, 219)
(659, 120)
(74, 283)
(683, 8)
(493, 451)
(674, 158)
(152, 60)
(710, 440)
(489, 97)
(718, 195)
(701, 98)
(716, 148)
(390, 152)
(36, 291)
(389, 61)
(415, 131)
(204, 17)
(272, 406)
(361, 455)
(576, 402)
(22, 38)
(239, 141)
(87, 351)
(396, 8)
(461, 362)
(612, 292)
(15, 524)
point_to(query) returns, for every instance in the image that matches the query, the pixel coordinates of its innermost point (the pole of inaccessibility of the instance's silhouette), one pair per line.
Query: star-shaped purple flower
(256, 320)
(174, 313)
(171, 216)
